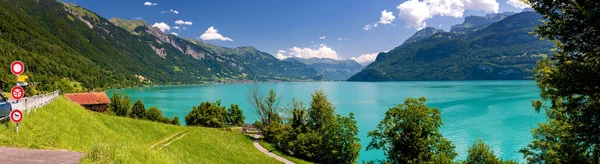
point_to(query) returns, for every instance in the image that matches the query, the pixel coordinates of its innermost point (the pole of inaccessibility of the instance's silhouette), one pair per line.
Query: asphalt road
(26, 156)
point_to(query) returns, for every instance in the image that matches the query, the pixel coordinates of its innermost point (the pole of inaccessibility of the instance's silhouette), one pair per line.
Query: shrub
(207, 114)
(120, 105)
(138, 110)
(235, 116)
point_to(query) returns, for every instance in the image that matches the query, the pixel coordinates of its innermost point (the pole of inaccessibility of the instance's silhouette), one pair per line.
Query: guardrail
(34, 102)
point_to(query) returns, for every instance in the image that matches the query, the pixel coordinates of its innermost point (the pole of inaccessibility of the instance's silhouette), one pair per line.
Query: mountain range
(493, 47)
(331, 69)
(68, 47)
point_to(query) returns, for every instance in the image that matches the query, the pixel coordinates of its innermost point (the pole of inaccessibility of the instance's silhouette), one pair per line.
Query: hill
(330, 69)
(65, 46)
(501, 50)
(62, 125)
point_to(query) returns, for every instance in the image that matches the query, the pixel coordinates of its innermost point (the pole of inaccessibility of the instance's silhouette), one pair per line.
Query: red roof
(90, 98)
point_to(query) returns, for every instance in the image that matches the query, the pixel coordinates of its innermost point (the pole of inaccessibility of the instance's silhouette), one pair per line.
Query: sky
(337, 29)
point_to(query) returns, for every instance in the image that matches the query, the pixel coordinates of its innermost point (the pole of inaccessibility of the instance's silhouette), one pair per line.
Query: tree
(569, 84)
(235, 116)
(138, 110)
(119, 104)
(480, 153)
(207, 114)
(154, 114)
(325, 137)
(409, 133)
(267, 109)
(175, 121)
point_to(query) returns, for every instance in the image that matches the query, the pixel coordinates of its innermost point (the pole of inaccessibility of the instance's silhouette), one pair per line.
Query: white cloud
(137, 18)
(340, 39)
(322, 52)
(368, 27)
(176, 27)
(322, 37)
(280, 56)
(365, 59)
(162, 26)
(150, 4)
(386, 17)
(415, 12)
(213, 34)
(517, 4)
(174, 11)
(181, 22)
(174, 33)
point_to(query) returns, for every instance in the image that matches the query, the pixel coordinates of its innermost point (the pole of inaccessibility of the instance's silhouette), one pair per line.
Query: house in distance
(94, 101)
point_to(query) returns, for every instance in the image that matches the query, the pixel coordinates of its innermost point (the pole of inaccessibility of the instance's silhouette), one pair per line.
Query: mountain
(67, 47)
(422, 34)
(331, 69)
(500, 50)
(474, 22)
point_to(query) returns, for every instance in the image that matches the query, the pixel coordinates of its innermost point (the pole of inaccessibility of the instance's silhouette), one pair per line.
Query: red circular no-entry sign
(16, 116)
(17, 92)
(17, 67)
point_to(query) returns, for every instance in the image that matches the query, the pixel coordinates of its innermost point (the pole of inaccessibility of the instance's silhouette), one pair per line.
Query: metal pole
(17, 127)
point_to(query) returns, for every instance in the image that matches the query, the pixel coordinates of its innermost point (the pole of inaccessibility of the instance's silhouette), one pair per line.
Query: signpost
(16, 116)
(17, 68)
(17, 92)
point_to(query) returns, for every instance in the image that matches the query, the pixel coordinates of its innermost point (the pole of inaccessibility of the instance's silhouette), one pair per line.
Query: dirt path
(166, 139)
(174, 140)
(267, 152)
(26, 156)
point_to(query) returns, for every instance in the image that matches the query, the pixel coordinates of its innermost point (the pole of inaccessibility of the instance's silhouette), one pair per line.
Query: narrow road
(267, 152)
(26, 156)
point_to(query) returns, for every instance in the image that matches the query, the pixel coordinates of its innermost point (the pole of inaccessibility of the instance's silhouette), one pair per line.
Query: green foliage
(138, 110)
(120, 105)
(322, 136)
(409, 133)
(267, 109)
(154, 114)
(498, 51)
(208, 114)
(235, 116)
(480, 153)
(175, 121)
(569, 84)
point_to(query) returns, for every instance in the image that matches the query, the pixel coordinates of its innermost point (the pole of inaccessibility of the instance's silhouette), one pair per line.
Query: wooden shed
(95, 101)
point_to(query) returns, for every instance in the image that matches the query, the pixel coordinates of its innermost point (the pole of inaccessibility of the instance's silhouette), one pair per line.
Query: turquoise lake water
(499, 112)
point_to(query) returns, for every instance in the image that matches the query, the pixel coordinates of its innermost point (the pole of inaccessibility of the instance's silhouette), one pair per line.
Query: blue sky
(296, 28)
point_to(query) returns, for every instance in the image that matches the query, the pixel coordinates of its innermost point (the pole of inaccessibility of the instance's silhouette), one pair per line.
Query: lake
(499, 112)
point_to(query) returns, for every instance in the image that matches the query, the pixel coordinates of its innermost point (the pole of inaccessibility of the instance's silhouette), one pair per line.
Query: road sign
(17, 67)
(17, 92)
(16, 116)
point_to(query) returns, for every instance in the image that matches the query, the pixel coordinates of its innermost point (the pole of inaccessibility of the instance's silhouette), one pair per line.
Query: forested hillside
(67, 47)
(501, 50)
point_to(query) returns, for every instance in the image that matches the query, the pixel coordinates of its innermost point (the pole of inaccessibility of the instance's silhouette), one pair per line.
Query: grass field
(272, 149)
(63, 125)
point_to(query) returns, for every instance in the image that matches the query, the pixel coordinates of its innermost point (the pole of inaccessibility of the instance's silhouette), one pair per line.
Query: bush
(208, 115)
(120, 105)
(235, 116)
(138, 110)
(154, 114)
(175, 121)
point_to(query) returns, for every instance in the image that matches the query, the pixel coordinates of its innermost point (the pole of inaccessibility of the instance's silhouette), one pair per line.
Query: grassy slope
(109, 139)
(272, 149)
